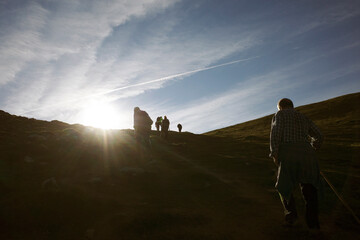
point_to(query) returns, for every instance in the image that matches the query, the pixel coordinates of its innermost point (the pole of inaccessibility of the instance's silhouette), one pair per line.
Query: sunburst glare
(101, 115)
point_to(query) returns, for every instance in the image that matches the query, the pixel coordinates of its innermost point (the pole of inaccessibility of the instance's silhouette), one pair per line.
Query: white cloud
(19, 42)
(51, 50)
(255, 97)
(58, 60)
(55, 52)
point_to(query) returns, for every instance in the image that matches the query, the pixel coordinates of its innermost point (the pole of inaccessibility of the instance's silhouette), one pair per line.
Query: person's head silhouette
(285, 103)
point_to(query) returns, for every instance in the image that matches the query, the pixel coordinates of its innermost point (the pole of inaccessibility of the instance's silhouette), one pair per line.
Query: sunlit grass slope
(338, 119)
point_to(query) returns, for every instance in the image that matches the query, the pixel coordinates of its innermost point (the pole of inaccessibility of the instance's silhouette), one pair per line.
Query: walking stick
(341, 199)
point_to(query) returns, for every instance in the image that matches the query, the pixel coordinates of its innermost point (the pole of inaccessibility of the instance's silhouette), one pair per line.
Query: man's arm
(316, 136)
(275, 137)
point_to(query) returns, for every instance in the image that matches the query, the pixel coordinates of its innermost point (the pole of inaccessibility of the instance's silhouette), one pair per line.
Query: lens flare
(100, 115)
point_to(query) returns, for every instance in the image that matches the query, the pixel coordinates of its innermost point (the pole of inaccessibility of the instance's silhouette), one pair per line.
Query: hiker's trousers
(309, 193)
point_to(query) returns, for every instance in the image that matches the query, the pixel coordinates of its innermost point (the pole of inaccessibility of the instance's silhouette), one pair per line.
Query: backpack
(145, 119)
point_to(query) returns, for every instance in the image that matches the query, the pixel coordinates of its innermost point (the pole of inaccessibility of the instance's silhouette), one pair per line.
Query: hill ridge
(61, 181)
(341, 112)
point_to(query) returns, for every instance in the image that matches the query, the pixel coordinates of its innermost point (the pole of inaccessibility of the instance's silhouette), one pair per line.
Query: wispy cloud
(239, 104)
(64, 56)
(137, 85)
(56, 56)
(53, 45)
(248, 99)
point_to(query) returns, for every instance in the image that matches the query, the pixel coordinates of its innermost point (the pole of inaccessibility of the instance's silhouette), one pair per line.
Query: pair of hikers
(164, 125)
(293, 141)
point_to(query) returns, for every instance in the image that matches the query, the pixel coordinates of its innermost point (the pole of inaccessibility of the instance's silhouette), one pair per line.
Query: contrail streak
(141, 84)
(173, 76)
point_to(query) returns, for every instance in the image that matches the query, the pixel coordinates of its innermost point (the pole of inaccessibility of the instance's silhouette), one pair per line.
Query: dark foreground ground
(191, 187)
(60, 181)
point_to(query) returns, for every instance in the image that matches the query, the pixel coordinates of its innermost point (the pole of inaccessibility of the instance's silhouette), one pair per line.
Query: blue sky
(206, 64)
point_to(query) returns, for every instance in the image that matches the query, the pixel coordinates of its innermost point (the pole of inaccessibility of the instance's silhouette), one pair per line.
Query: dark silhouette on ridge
(179, 126)
(142, 126)
(165, 127)
(158, 123)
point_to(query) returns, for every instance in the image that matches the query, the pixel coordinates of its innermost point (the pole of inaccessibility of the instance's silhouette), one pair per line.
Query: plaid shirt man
(293, 139)
(290, 126)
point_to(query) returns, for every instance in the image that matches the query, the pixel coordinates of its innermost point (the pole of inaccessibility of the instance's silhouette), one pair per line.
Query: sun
(101, 115)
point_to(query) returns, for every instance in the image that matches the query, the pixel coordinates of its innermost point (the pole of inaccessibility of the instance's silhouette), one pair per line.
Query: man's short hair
(285, 103)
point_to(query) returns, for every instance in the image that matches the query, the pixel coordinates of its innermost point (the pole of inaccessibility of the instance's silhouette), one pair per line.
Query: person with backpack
(293, 141)
(165, 127)
(142, 126)
(158, 123)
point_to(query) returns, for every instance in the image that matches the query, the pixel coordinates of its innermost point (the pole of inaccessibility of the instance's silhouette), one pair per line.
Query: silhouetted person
(293, 141)
(142, 126)
(179, 126)
(165, 127)
(158, 123)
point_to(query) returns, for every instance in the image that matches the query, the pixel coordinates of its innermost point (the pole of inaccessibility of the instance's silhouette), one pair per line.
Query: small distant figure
(158, 123)
(297, 163)
(179, 126)
(142, 126)
(165, 127)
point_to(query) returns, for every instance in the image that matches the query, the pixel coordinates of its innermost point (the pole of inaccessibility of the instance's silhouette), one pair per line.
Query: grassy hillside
(338, 119)
(61, 181)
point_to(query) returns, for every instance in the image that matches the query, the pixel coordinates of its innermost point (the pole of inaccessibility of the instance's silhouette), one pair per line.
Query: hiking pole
(341, 199)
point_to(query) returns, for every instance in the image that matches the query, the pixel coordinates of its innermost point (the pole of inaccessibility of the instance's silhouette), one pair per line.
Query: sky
(206, 64)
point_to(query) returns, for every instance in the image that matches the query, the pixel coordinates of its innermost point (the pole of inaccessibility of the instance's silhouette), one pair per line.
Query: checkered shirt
(290, 126)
